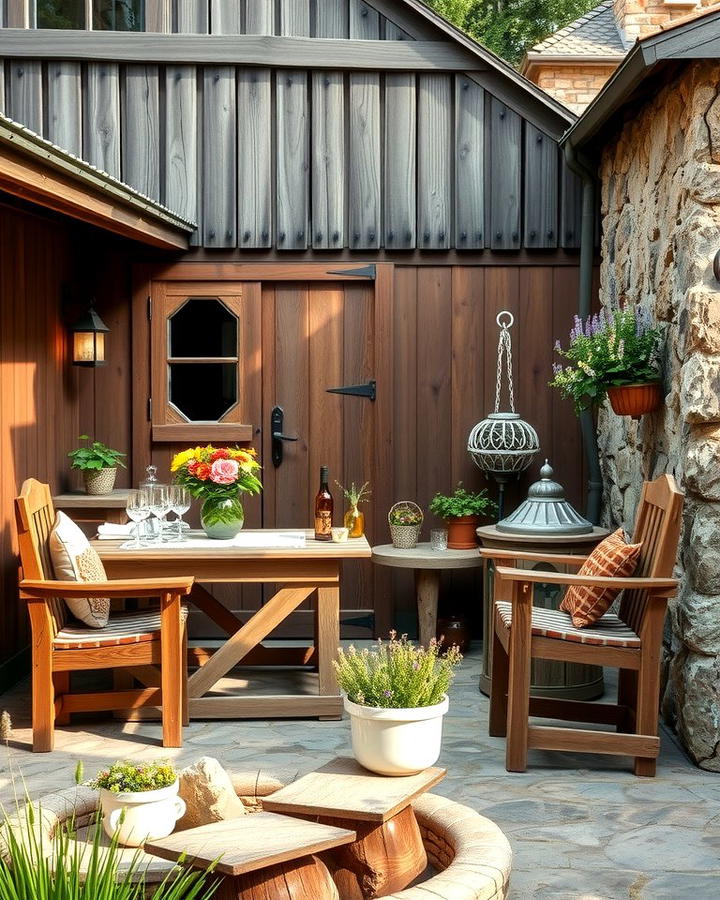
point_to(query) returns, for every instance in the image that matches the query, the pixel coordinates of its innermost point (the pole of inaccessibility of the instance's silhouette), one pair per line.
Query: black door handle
(276, 425)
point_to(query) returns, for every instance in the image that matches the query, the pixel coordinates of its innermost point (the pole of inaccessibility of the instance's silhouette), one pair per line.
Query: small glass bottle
(354, 521)
(323, 508)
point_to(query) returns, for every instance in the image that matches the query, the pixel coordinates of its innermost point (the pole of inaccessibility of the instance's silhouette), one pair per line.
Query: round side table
(428, 564)
(548, 678)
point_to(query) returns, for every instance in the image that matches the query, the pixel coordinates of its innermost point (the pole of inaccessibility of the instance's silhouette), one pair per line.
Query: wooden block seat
(610, 631)
(122, 628)
(470, 855)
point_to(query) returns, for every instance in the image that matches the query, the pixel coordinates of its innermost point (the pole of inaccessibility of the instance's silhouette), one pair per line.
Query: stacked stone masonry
(661, 229)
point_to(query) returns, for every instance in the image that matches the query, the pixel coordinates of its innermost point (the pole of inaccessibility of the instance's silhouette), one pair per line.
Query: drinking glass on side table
(159, 506)
(180, 501)
(138, 510)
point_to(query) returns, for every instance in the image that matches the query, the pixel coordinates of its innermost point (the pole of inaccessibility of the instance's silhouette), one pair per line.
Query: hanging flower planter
(635, 399)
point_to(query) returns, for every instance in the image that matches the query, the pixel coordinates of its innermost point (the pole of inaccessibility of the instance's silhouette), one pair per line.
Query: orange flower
(219, 454)
(202, 471)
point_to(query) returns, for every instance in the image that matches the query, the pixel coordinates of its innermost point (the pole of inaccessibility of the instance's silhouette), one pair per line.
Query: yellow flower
(181, 459)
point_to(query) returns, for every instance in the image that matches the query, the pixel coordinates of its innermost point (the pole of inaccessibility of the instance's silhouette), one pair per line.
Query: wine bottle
(323, 508)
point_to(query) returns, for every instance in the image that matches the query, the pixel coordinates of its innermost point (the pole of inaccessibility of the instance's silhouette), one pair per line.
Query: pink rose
(224, 471)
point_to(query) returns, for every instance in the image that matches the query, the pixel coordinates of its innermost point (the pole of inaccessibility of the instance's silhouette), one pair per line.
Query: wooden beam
(29, 179)
(237, 49)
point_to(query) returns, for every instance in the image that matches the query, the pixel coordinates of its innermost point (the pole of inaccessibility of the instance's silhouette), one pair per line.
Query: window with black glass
(203, 359)
(107, 15)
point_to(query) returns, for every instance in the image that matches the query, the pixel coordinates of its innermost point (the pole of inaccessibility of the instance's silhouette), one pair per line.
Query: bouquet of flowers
(217, 471)
(610, 349)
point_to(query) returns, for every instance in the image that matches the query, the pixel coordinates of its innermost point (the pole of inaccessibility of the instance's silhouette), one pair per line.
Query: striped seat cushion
(553, 623)
(124, 628)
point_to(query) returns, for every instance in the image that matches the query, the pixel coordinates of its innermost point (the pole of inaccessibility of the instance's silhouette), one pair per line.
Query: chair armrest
(136, 587)
(564, 559)
(655, 585)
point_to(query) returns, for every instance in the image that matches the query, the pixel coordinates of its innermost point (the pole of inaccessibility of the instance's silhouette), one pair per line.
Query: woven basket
(405, 537)
(99, 481)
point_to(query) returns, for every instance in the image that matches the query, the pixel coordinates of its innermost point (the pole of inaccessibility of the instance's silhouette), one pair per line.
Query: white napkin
(113, 531)
(247, 540)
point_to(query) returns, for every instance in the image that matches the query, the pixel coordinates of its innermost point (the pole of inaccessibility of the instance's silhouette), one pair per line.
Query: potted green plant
(405, 519)
(139, 801)
(99, 465)
(613, 353)
(396, 696)
(462, 511)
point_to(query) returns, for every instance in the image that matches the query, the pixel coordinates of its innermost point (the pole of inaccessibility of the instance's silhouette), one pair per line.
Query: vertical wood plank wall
(39, 418)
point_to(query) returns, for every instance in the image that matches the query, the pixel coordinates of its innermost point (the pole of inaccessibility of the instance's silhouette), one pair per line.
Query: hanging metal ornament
(503, 444)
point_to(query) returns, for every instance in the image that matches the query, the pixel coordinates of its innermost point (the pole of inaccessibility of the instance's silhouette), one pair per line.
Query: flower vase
(222, 518)
(354, 521)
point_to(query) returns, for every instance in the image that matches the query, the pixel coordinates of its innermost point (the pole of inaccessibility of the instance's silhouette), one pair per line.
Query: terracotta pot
(461, 532)
(635, 399)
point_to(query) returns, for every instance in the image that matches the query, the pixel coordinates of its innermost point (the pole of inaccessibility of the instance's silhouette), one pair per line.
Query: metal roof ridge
(26, 139)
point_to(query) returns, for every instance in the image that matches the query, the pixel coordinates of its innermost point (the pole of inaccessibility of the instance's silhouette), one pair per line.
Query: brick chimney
(638, 18)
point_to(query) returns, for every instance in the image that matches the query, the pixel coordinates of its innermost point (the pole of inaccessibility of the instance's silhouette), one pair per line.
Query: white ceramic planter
(396, 741)
(149, 815)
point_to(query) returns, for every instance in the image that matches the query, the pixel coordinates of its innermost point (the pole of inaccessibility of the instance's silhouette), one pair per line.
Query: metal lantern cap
(546, 511)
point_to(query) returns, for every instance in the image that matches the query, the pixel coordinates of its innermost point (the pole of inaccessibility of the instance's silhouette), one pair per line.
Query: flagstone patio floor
(580, 826)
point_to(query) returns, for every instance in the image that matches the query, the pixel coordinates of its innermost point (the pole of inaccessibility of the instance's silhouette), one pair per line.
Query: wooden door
(278, 344)
(319, 335)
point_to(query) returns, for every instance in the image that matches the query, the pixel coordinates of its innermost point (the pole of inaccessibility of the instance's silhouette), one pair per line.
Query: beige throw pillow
(75, 560)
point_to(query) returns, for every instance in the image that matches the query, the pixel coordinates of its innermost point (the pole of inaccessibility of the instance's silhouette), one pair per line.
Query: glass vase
(354, 521)
(222, 518)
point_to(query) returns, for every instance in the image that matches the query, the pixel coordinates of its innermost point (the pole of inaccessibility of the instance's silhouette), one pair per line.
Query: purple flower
(387, 693)
(557, 346)
(415, 666)
(557, 368)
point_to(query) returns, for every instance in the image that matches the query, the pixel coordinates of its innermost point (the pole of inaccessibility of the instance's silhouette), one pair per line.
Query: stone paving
(580, 826)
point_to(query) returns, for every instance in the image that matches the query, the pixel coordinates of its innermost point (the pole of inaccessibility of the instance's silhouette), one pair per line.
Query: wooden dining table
(311, 571)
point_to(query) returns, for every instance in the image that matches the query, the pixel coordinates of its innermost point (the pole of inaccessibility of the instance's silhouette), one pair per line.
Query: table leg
(300, 879)
(427, 587)
(384, 858)
(328, 639)
(172, 669)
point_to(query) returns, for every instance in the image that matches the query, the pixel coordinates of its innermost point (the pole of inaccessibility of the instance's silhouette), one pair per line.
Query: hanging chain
(504, 347)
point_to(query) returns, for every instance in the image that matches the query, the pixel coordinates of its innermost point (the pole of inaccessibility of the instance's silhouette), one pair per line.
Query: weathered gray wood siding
(297, 160)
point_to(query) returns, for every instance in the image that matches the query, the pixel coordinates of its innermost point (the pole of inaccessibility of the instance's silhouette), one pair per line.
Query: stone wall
(661, 230)
(574, 85)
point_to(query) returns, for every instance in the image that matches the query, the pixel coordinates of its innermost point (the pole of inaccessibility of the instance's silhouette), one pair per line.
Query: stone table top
(423, 557)
(344, 789)
(249, 843)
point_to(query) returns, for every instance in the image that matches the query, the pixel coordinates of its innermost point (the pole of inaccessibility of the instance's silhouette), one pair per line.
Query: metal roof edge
(492, 59)
(30, 143)
(539, 58)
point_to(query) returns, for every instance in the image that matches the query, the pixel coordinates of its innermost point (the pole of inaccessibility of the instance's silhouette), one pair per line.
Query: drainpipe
(580, 166)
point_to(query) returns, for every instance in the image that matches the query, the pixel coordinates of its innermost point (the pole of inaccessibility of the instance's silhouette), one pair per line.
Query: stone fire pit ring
(470, 855)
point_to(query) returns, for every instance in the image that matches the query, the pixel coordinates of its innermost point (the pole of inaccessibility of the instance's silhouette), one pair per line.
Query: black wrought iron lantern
(89, 339)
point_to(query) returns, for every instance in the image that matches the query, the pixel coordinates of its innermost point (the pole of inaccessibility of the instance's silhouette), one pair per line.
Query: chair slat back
(657, 526)
(35, 517)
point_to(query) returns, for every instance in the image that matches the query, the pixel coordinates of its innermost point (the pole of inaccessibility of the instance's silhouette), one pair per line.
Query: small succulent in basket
(405, 515)
(396, 674)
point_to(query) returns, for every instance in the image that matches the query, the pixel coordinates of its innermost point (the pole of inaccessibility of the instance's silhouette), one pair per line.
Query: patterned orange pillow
(612, 558)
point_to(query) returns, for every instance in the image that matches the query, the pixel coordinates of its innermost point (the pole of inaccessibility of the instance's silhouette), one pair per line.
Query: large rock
(702, 462)
(697, 680)
(208, 794)
(701, 320)
(700, 390)
(702, 554)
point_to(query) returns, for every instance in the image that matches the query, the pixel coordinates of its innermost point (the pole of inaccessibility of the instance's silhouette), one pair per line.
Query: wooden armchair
(142, 640)
(630, 641)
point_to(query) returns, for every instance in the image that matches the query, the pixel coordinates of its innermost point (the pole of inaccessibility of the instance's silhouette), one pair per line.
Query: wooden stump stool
(260, 856)
(388, 853)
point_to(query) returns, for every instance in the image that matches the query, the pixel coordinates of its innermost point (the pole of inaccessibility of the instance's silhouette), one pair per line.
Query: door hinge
(149, 304)
(360, 272)
(149, 409)
(356, 390)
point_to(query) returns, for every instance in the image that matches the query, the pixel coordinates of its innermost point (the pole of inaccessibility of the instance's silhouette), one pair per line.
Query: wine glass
(179, 503)
(159, 505)
(138, 510)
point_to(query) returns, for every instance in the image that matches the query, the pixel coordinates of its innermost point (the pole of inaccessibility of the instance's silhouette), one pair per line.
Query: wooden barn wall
(39, 420)
(292, 160)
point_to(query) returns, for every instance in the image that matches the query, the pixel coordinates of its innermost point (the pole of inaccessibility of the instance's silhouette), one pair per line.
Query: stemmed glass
(179, 503)
(159, 505)
(138, 510)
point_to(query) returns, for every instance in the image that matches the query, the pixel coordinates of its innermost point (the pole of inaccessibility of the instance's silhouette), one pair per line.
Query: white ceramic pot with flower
(139, 802)
(396, 697)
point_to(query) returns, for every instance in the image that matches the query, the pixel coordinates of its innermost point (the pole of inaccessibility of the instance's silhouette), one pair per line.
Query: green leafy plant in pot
(462, 511)
(98, 464)
(396, 696)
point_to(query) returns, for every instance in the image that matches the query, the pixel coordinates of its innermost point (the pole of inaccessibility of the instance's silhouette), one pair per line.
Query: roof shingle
(594, 34)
